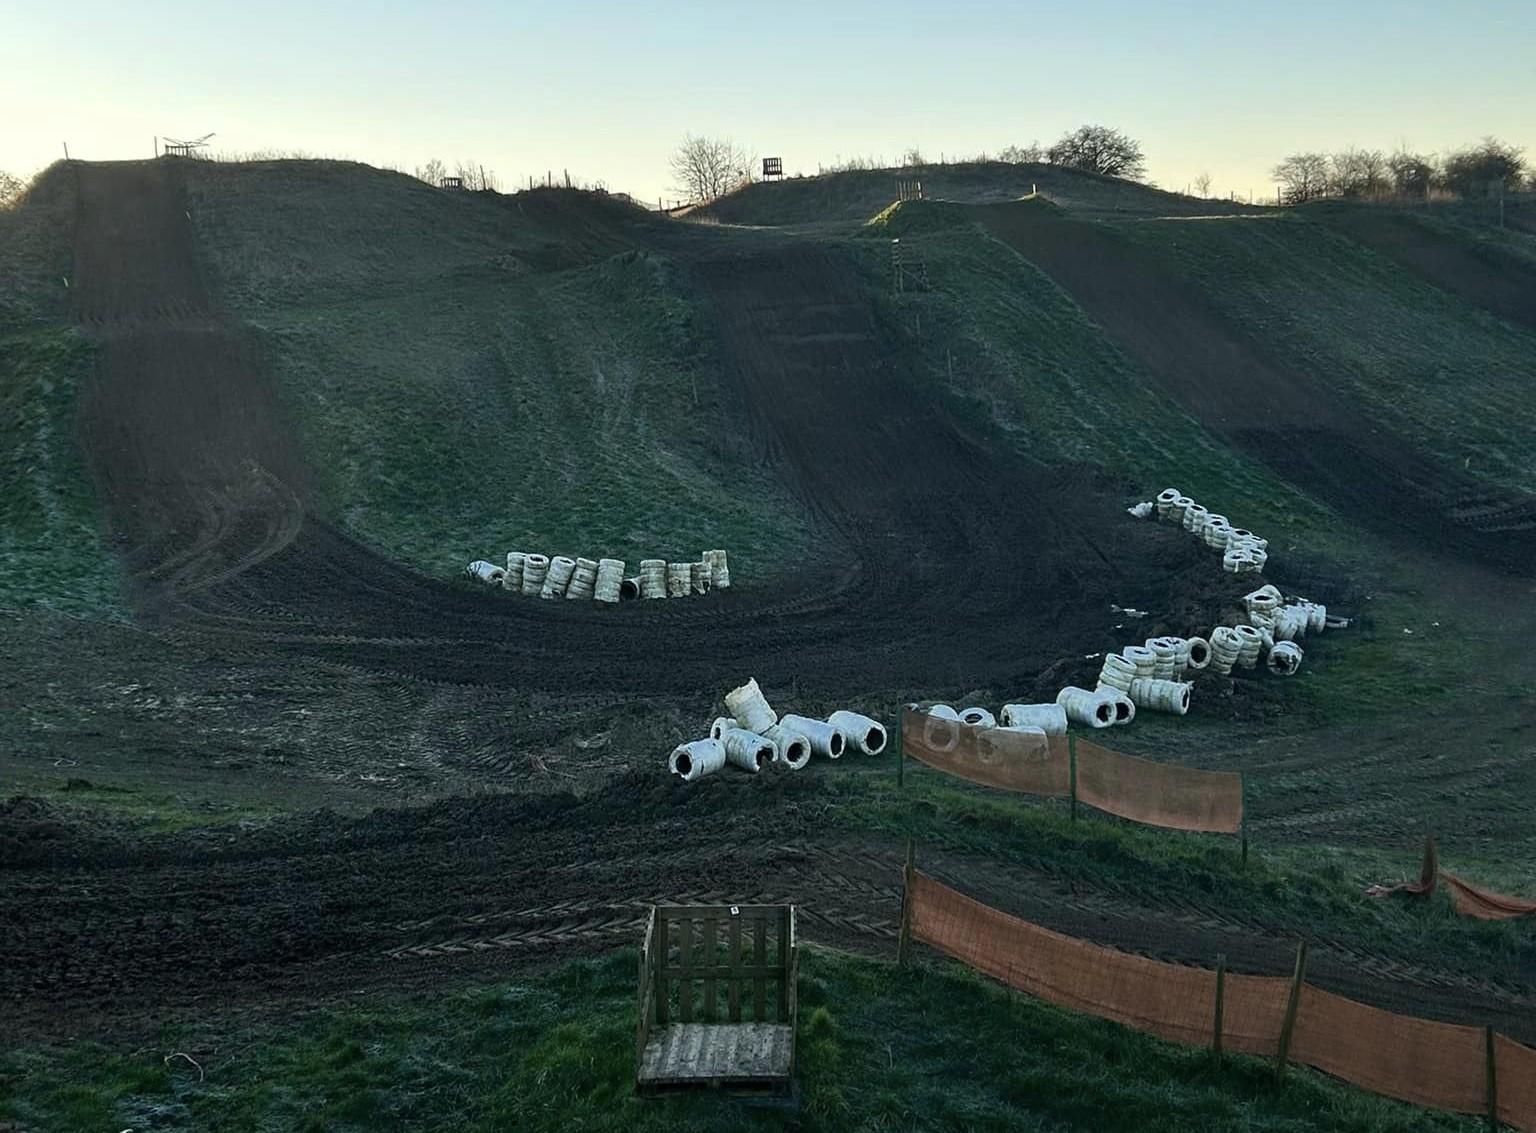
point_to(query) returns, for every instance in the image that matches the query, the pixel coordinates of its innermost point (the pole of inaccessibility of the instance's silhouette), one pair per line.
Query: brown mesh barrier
(1475, 901)
(1415, 1060)
(1159, 794)
(993, 757)
(1516, 1077)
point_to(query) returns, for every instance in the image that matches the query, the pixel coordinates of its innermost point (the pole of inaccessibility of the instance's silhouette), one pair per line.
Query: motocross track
(933, 576)
(1305, 432)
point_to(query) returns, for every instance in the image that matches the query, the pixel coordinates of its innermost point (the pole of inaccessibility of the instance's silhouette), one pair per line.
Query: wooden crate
(717, 999)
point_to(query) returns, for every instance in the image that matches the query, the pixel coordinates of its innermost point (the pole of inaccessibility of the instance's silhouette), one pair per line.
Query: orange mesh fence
(1159, 794)
(1516, 1077)
(1416, 1060)
(1475, 901)
(993, 757)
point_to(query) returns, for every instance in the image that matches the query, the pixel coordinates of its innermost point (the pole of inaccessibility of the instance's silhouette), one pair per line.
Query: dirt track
(1307, 433)
(930, 579)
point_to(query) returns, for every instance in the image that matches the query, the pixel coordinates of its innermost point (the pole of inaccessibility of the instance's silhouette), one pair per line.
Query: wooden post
(1492, 1080)
(1221, 1003)
(1292, 1005)
(901, 750)
(1072, 770)
(906, 909)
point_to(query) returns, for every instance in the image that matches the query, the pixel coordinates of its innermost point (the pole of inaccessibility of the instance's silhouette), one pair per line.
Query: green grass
(933, 1047)
(1446, 375)
(136, 810)
(51, 551)
(563, 408)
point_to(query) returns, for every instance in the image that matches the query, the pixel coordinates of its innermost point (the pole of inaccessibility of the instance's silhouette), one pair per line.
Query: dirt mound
(1481, 274)
(1307, 433)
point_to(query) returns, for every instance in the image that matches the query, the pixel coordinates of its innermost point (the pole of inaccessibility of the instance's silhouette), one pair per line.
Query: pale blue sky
(607, 89)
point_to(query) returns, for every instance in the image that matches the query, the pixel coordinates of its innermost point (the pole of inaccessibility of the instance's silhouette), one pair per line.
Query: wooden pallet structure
(717, 999)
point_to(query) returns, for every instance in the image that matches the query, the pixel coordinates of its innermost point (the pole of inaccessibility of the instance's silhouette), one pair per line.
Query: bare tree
(913, 159)
(1099, 149)
(1358, 173)
(1303, 177)
(707, 168)
(476, 177)
(1022, 155)
(432, 172)
(1412, 173)
(11, 188)
(1203, 185)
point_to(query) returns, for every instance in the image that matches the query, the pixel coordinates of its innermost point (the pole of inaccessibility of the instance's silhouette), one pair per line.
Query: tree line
(1373, 174)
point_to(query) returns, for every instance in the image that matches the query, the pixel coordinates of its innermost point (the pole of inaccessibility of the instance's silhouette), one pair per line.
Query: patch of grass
(143, 811)
(51, 551)
(1437, 370)
(934, 1047)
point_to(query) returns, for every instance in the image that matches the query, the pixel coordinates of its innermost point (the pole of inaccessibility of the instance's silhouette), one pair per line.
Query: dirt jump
(1305, 432)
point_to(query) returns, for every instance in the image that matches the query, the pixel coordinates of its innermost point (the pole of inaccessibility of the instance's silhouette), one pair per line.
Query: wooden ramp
(717, 999)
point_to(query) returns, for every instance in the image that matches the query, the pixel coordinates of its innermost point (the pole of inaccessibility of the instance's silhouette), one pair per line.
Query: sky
(607, 90)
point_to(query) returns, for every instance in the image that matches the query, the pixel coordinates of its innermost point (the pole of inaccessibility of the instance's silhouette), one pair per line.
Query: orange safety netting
(1159, 794)
(1516, 1077)
(1416, 1060)
(1474, 901)
(1443, 1065)
(993, 757)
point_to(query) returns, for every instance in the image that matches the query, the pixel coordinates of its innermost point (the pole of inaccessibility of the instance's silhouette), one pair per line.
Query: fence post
(906, 909)
(1492, 1081)
(1221, 995)
(1072, 770)
(901, 749)
(1242, 828)
(1291, 1007)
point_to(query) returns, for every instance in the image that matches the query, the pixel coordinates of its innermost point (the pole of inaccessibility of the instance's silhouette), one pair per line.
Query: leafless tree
(1099, 149)
(11, 188)
(1303, 177)
(1203, 185)
(707, 168)
(1358, 173)
(476, 178)
(1412, 173)
(913, 159)
(1022, 155)
(432, 172)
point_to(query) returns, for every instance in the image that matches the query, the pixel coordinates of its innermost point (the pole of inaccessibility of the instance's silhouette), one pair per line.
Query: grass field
(879, 1049)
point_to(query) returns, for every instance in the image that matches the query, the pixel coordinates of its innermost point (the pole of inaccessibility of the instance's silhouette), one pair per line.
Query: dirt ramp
(197, 464)
(1485, 276)
(1305, 431)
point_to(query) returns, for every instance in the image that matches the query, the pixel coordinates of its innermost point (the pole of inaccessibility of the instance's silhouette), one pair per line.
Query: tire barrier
(679, 580)
(514, 579)
(561, 568)
(1024, 759)
(653, 578)
(1284, 659)
(748, 750)
(1242, 552)
(1050, 718)
(750, 708)
(1199, 653)
(753, 735)
(630, 588)
(1117, 672)
(488, 573)
(1161, 696)
(827, 740)
(699, 578)
(978, 718)
(865, 736)
(1469, 1070)
(609, 586)
(1252, 641)
(692, 761)
(1095, 709)
(1226, 647)
(535, 567)
(719, 570)
(791, 748)
(583, 581)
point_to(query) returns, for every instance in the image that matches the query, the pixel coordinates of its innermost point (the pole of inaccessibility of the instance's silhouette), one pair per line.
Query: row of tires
(602, 580)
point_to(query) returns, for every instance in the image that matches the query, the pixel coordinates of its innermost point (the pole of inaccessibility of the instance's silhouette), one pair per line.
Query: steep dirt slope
(1307, 433)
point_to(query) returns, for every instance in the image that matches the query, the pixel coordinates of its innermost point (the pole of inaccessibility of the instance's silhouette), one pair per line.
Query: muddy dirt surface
(273, 649)
(1305, 432)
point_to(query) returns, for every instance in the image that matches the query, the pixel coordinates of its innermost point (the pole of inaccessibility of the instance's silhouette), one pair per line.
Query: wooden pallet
(717, 999)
